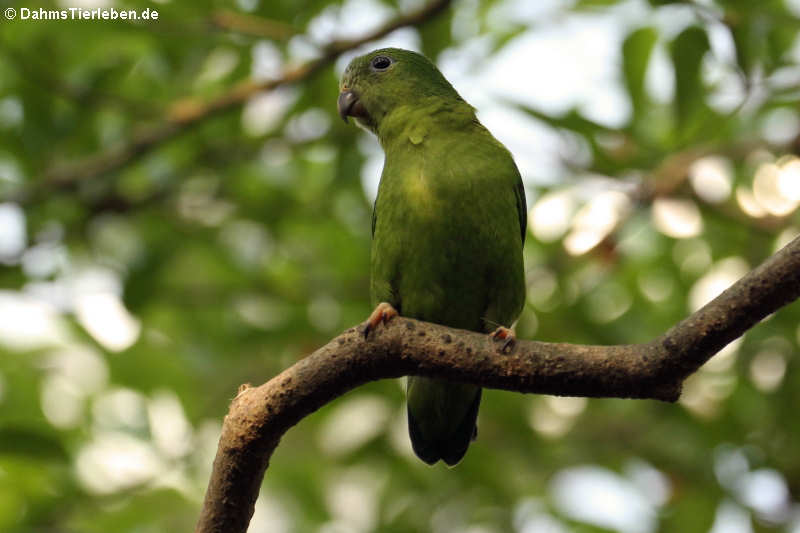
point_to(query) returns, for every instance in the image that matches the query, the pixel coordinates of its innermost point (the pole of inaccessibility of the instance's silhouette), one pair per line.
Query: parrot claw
(383, 313)
(506, 335)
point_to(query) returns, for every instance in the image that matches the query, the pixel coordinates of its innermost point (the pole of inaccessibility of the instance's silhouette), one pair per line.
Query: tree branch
(252, 25)
(259, 416)
(188, 112)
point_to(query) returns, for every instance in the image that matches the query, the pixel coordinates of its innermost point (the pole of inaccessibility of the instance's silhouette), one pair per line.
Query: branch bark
(259, 416)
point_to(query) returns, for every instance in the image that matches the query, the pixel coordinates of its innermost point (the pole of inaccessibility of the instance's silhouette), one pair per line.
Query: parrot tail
(441, 418)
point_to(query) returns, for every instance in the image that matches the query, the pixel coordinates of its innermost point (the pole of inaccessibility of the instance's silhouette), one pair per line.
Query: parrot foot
(383, 313)
(506, 335)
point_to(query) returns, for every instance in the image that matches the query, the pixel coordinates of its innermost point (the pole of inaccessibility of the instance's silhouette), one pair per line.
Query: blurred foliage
(242, 244)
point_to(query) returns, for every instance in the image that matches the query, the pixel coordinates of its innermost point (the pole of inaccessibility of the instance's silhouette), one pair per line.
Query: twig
(259, 416)
(189, 112)
(252, 25)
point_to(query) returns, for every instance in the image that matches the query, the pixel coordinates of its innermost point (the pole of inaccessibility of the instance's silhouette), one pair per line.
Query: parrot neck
(413, 123)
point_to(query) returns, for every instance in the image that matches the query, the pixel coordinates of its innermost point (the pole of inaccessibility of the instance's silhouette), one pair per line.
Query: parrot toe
(506, 335)
(383, 313)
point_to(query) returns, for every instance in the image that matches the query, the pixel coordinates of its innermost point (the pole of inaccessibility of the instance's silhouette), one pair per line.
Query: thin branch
(259, 416)
(671, 175)
(189, 112)
(253, 25)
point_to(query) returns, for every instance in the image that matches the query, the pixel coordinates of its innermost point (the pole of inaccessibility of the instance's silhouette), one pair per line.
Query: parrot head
(383, 81)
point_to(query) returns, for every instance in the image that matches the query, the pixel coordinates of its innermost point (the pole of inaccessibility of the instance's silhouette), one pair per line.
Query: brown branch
(189, 112)
(259, 416)
(253, 25)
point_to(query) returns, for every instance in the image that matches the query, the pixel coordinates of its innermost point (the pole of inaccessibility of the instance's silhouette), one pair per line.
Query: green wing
(522, 209)
(375, 214)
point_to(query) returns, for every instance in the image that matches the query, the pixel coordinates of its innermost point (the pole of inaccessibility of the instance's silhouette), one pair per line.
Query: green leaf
(590, 4)
(571, 120)
(31, 442)
(687, 53)
(636, 51)
(749, 38)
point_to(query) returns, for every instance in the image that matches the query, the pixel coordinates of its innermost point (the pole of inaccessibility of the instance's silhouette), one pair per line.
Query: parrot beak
(349, 105)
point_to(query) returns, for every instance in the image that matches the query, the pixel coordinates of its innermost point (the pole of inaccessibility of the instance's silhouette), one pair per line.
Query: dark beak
(348, 100)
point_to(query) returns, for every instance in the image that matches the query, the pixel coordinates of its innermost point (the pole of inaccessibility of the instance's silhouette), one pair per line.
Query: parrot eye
(381, 62)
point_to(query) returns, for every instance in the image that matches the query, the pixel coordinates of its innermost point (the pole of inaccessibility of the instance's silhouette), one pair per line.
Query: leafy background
(657, 141)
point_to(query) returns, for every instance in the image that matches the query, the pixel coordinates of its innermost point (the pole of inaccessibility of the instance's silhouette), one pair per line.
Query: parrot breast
(447, 249)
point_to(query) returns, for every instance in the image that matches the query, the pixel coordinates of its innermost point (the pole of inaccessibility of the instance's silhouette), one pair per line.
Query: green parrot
(448, 226)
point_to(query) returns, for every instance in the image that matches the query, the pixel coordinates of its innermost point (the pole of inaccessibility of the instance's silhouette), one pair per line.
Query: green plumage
(448, 225)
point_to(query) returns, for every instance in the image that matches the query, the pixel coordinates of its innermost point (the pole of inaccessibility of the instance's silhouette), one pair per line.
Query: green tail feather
(441, 418)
